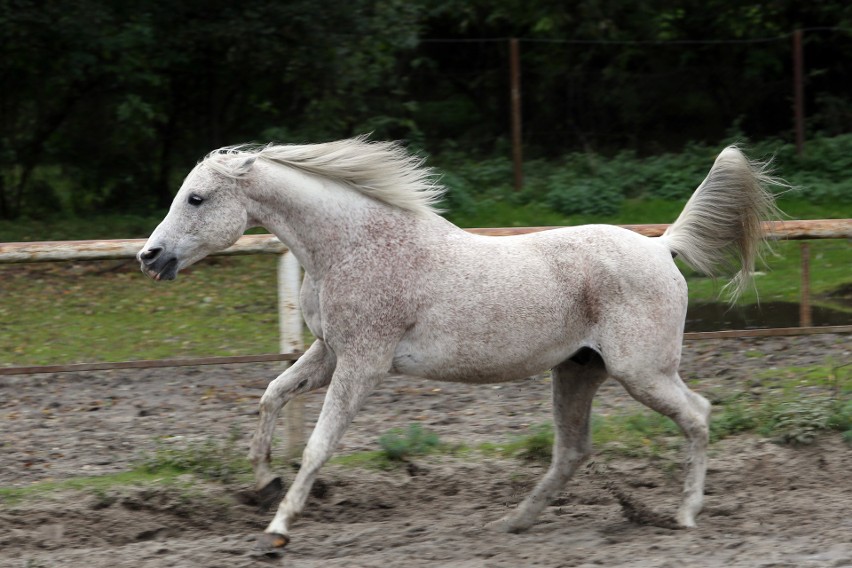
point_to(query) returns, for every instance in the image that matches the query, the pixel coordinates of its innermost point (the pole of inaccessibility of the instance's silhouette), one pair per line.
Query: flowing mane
(383, 170)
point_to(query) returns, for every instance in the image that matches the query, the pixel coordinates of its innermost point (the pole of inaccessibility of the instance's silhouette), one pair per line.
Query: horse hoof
(505, 525)
(270, 494)
(270, 545)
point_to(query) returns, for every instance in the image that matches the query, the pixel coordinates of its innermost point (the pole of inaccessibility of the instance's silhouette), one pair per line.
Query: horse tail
(720, 230)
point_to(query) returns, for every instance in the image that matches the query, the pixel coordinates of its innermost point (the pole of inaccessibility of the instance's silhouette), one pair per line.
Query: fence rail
(52, 251)
(290, 324)
(288, 282)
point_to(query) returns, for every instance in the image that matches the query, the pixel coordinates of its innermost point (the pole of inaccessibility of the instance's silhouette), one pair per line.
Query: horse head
(208, 214)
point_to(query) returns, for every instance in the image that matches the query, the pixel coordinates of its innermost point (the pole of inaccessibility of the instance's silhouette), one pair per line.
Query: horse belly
(454, 359)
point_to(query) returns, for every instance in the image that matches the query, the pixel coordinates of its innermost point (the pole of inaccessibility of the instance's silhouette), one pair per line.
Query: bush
(734, 417)
(584, 197)
(537, 446)
(219, 461)
(800, 421)
(589, 184)
(399, 446)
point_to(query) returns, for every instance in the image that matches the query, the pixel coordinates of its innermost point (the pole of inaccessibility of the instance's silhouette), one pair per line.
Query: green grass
(212, 460)
(208, 459)
(96, 485)
(397, 448)
(780, 279)
(65, 313)
(399, 445)
(796, 405)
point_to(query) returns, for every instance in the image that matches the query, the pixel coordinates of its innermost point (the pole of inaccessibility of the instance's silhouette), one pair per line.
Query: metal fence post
(515, 94)
(798, 92)
(805, 319)
(290, 329)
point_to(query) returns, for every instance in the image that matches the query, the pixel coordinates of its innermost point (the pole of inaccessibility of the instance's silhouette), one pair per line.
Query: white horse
(392, 288)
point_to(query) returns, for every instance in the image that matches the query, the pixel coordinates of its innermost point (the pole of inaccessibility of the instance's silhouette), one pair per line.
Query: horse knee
(268, 404)
(274, 399)
(702, 403)
(696, 423)
(699, 433)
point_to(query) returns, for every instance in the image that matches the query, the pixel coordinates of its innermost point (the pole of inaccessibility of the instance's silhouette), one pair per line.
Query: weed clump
(217, 461)
(799, 422)
(537, 446)
(398, 445)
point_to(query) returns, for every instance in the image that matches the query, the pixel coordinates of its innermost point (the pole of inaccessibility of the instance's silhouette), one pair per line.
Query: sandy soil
(767, 505)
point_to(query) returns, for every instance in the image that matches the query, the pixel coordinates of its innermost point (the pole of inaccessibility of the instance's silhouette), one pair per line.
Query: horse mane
(383, 170)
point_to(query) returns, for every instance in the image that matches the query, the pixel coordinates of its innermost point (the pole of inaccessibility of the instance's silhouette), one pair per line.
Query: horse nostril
(151, 253)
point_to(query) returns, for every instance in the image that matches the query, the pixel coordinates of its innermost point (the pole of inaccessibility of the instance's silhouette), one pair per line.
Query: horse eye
(195, 200)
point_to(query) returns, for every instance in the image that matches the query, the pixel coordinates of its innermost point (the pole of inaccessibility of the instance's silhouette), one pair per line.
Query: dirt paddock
(766, 505)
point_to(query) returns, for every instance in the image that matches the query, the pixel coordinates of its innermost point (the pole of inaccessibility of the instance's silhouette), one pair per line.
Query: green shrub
(841, 420)
(399, 445)
(537, 446)
(589, 184)
(800, 421)
(584, 197)
(732, 417)
(219, 461)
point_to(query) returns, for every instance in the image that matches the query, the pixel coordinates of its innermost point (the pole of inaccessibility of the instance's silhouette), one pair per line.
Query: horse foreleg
(346, 394)
(312, 371)
(574, 386)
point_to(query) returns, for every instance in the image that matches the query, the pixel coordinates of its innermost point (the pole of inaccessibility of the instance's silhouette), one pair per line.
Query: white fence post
(290, 328)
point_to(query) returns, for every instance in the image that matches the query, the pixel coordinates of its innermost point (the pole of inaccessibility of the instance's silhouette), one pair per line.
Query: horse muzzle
(158, 265)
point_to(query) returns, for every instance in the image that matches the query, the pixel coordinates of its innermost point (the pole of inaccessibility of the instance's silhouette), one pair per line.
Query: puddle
(717, 316)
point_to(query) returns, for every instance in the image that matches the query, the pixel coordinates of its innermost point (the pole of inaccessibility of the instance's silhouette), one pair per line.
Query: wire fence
(653, 94)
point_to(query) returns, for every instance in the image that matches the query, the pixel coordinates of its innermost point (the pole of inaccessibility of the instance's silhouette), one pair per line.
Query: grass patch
(780, 279)
(535, 446)
(641, 434)
(220, 461)
(397, 447)
(207, 459)
(797, 404)
(107, 311)
(96, 485)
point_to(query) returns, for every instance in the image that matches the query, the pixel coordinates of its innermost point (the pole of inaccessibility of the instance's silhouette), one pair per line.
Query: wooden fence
(289, 276)
(290, 321)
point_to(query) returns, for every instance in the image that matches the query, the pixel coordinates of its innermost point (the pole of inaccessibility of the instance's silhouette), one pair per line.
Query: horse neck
(320, 220)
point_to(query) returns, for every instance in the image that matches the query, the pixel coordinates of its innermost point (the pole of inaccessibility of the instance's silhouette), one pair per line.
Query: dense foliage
(588, 186)
(105, 105)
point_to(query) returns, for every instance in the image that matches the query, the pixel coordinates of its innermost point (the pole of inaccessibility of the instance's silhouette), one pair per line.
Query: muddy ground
(767, 504)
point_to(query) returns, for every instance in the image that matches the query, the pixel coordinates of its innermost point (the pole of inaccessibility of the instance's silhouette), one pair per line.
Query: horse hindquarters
(639, 334)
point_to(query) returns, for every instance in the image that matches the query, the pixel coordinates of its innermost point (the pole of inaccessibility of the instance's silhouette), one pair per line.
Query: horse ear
(246, 166)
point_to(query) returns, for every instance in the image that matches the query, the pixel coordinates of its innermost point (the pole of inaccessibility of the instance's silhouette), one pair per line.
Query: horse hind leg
(574, 385)
(668, 394)
(313, 370)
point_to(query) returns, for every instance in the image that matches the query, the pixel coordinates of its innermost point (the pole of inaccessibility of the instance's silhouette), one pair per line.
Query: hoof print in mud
(270, 494)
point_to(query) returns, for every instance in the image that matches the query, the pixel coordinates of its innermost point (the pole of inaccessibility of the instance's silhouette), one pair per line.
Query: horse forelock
(383, 170)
